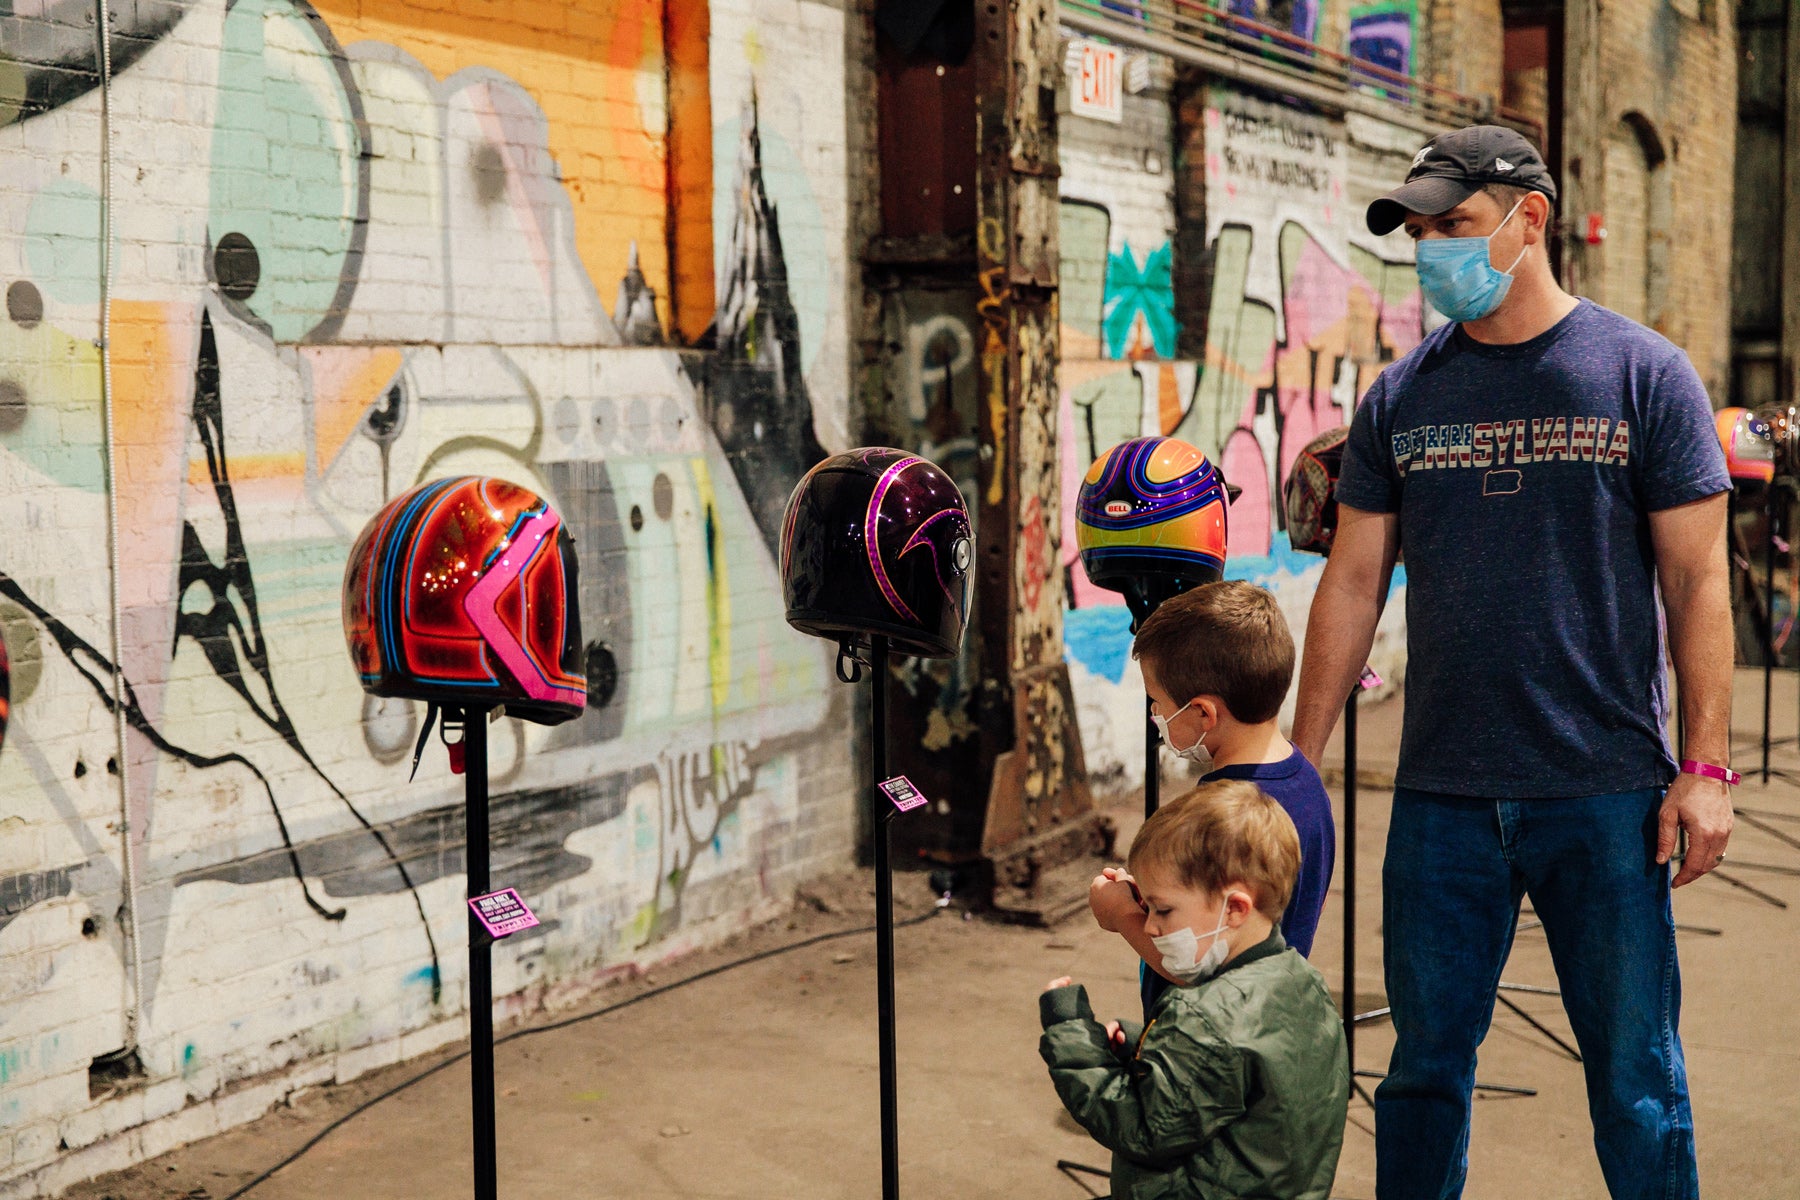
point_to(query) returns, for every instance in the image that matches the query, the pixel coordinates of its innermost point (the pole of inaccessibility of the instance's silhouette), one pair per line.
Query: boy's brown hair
(1228, 831)
(1225, 639)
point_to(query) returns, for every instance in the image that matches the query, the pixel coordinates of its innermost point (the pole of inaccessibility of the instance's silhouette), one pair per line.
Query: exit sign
(1096, 87)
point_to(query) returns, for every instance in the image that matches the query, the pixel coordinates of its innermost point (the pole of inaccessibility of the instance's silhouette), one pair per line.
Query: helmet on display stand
(1310, 495)
(1150, 522)
(1749, 443)
(461, 592)
(5, 688)
(877, 542)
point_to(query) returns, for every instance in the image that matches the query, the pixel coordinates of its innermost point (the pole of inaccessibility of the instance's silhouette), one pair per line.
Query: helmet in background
(877, 542)
(1151, 521)
(1749, 444)
(1310, 494)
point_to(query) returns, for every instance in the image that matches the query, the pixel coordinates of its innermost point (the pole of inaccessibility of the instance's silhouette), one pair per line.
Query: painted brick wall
(1288, 311)
(1273, 309)
(1669, 80)
(1465, 46)
(357, 246)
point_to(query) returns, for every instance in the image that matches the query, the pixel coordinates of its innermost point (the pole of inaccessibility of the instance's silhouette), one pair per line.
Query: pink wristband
(1693, 767)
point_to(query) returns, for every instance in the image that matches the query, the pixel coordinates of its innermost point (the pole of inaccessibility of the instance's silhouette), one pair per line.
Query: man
(1547, 466)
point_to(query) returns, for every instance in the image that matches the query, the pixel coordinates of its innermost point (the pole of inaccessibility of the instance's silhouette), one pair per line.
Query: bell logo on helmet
(1118, 508)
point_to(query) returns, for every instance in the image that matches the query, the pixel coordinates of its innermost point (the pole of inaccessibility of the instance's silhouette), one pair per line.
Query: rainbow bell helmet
(1310, 495)
(461, 592)
(1749, 444)
(1151, 521)
(877, 542)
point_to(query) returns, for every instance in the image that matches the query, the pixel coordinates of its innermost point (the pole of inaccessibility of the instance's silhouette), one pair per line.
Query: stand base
(1507, 1088)
(1043, 880)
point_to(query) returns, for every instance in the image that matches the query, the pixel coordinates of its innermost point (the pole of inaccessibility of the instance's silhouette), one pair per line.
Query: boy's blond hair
(1225, 639)
(1228, 831)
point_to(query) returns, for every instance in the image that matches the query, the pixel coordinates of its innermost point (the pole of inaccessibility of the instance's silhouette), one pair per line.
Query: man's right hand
(1340, 628)
(1111, 897)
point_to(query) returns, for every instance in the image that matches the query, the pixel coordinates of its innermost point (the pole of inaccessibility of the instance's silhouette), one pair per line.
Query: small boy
(1239, 1082)
(1217, 661)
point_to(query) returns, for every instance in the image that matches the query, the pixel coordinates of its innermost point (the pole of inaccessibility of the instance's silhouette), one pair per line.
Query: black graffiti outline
(75, 648)
(212, 631)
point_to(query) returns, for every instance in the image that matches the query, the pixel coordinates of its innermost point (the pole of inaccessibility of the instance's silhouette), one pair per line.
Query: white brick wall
(691, 804)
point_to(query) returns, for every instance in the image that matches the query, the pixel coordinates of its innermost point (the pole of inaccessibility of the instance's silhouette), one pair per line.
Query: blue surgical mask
(1458, 275)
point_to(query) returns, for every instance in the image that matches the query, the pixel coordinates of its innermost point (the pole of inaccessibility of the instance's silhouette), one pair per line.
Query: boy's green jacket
(1236, 1090)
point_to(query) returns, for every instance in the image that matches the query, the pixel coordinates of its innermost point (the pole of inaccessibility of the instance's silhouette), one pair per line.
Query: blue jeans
(1455, 871)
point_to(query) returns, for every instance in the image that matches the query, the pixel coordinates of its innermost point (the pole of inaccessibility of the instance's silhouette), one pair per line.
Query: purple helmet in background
(877, 542)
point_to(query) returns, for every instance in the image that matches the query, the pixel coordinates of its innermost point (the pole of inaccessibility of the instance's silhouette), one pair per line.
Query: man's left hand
(1702, 807)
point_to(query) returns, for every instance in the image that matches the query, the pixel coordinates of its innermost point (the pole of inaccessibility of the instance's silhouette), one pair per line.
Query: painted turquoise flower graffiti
(1134, 292)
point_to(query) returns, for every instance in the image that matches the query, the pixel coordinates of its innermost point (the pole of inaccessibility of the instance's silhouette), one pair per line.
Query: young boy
(1217, 662)
(1238, 1084)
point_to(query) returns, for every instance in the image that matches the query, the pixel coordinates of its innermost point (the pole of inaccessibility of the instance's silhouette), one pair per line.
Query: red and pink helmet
(877, 542)
(462, 592)
(1749, 444)
(5, 688)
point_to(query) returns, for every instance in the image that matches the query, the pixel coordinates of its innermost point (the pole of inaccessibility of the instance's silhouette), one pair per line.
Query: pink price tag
(900, 790)
(502, 912)
(1369, 679)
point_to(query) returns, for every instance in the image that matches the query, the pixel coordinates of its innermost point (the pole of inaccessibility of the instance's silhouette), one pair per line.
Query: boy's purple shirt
(1294, 784)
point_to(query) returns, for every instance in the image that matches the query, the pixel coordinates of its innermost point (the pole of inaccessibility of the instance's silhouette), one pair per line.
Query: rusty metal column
(1583, 146)
(1040, 812)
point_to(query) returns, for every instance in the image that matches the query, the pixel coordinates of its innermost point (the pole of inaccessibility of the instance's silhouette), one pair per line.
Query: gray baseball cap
(1454, 166)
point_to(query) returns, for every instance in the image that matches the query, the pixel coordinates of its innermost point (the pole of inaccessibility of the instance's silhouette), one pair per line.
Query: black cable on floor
(428, 1072)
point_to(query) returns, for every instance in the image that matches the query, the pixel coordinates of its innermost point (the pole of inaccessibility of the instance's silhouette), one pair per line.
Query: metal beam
(1264, 75)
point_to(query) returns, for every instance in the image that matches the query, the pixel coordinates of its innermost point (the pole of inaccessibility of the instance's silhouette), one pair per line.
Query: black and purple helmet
(877, 542)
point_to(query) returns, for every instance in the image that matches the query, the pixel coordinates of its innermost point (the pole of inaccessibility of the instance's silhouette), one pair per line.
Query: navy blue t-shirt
(1524, 476)
(1294, 784)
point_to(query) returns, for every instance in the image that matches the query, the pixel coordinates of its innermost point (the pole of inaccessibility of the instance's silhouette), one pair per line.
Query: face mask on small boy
(1196, 753)
(1179, 949)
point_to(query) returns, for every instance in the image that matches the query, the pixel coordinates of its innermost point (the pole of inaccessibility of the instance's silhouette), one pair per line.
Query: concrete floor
(761, 1082)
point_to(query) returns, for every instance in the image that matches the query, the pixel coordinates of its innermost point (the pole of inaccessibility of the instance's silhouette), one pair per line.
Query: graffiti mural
(1298, 17)
(1382, 33)
(1305, 310)
(354, 247)
(1139, 308)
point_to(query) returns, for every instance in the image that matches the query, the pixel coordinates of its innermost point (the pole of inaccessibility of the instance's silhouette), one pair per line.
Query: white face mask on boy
(1196, 753)
(1179, 950)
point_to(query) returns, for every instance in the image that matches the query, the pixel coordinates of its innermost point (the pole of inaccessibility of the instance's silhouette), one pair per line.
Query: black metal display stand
(1768, 614)
(882, 814)
(1766, 628)
(481, 962)
(1152, 760)
(1348, 999)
